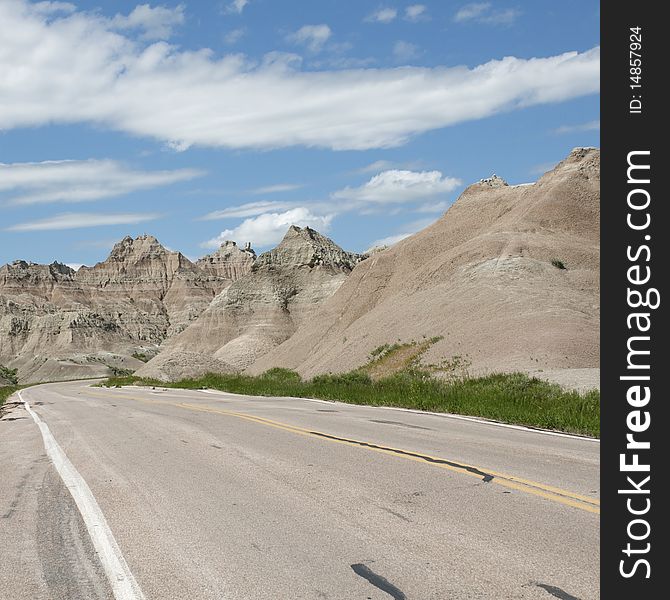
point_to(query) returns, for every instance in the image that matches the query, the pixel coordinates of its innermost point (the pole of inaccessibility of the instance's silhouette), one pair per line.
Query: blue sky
(203, 121)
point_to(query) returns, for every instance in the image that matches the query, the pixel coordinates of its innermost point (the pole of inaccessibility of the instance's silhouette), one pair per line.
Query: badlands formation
(56, 323)
(487, 277)
(260, 310)
(506, 280)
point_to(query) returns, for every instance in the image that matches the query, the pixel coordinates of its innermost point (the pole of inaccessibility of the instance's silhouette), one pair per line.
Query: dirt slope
(482, 278)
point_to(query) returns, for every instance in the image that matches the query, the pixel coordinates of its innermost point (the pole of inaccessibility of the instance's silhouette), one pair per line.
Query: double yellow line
(554, 494)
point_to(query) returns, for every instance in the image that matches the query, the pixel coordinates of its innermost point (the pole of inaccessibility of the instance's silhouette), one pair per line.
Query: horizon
(241, 243)
(204, 123)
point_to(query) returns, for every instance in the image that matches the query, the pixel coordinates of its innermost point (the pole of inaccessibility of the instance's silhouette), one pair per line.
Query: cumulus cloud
(268, 229)
(382, 15)
(396, 186)
(82, 220)
(267, 221)
(156, 23)
(415, 12)
(76, 69)
(484, 12)
(80, 180)
(48, 8)
(313, 37)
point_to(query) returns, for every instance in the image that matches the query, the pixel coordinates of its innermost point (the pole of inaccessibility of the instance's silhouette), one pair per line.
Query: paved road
(211, 495)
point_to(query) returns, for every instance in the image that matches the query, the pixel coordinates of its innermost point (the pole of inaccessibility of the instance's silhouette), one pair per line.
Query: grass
(7, 391)
(559, 264)
(141, 356)
(510, 398)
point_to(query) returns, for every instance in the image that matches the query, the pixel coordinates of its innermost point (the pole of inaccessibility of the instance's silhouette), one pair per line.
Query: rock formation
(507, 279)
(57, 323)
(486, 277)
(260, 310)
(228, 262)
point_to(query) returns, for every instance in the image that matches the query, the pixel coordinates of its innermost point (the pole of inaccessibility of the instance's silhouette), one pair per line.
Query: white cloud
(237, 6)
(590, 126)
(277, 188)
(80, 180)
(267, 221)
(77, 69)
(483, 12)
(415, 12)
(250, 209)
(404, 51)
(232, 37)
(155, 22)
(472, 11)
(382, 15)
(395, 186)
(268, 229)
(343, 62)
(313, 37)
(82, 220)
(376, 167)
(48, 8)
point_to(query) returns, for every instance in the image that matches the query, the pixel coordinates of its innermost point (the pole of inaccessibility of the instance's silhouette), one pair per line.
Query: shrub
(9, 374)
(279, 375)
(120, 371)
(559, 264)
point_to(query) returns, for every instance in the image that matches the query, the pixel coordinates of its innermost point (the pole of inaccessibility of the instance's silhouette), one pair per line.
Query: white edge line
(124, 586)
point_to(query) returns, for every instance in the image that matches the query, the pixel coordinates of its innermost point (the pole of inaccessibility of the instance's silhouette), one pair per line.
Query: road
(208, 495)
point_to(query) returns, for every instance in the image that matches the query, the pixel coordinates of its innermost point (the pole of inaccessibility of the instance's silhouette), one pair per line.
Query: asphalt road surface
(172, 494)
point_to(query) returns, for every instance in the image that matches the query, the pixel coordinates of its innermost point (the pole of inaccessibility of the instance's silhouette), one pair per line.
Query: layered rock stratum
(508, 279)
(260, 310)
(57, 323)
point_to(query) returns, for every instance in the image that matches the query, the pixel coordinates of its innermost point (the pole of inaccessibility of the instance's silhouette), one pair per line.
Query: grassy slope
(6, 392)
(511, 398)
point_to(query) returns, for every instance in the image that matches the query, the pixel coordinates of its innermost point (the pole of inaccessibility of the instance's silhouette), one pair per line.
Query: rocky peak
(34, 273)
(493, 181)
(229, 261)
(143, 246)
(304, 246)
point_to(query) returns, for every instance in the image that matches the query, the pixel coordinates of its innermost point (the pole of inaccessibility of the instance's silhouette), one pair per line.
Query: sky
(198, 122)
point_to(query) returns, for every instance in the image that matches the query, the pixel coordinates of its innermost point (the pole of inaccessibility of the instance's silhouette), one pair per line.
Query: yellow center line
(527, 486)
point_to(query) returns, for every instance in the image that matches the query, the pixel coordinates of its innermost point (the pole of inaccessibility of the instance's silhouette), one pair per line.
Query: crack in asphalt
(486, 477)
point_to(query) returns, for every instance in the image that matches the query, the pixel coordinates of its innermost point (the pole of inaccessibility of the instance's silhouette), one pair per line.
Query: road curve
(218, 496)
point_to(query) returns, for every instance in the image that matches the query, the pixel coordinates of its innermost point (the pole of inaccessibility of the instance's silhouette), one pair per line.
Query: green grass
(511, 398)
(7, 391)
